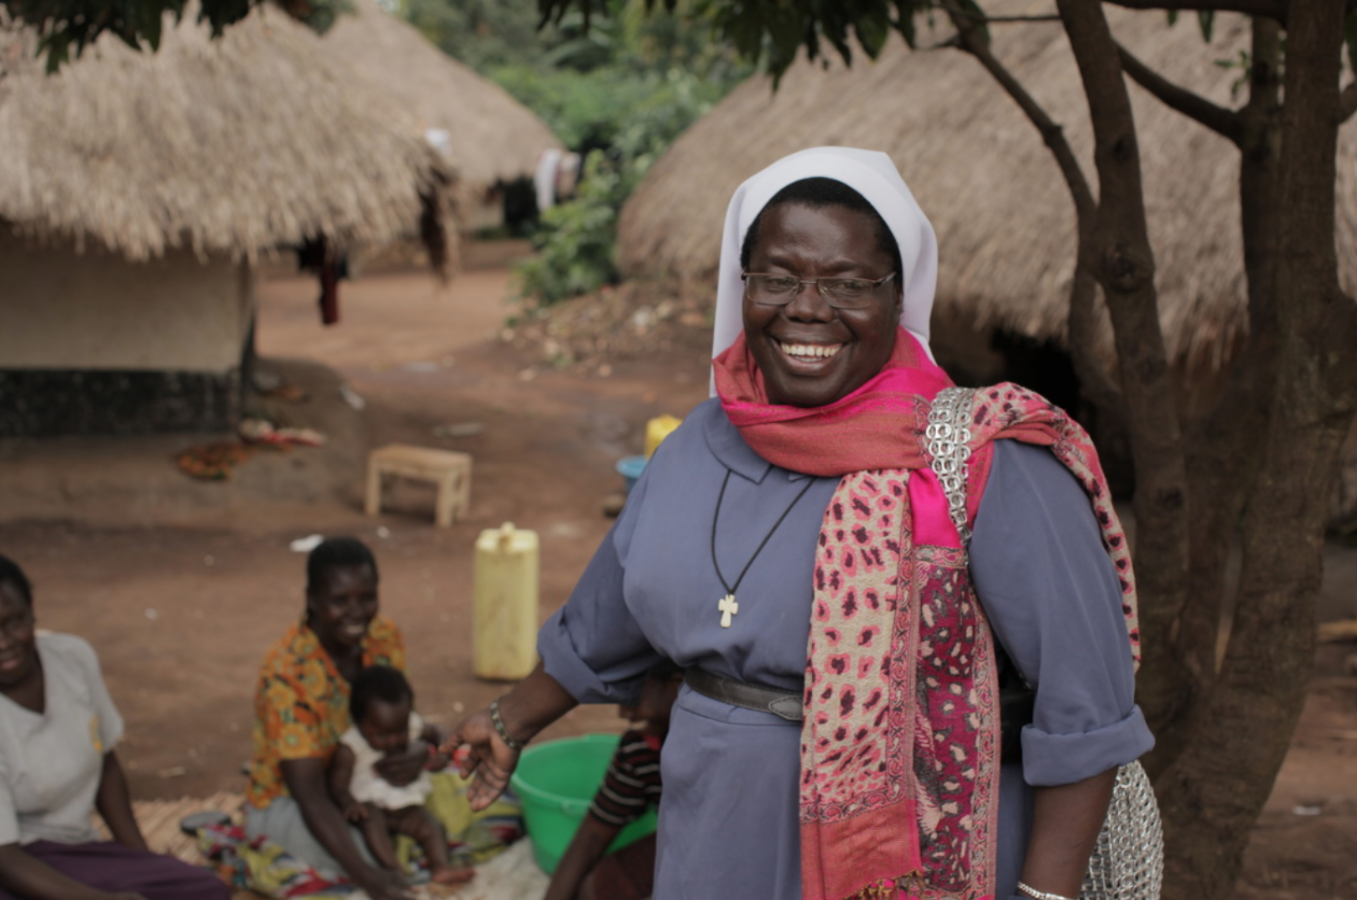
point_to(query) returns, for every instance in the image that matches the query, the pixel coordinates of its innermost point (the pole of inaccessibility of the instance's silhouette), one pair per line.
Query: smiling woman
(58, 728)
(812, 346)
(302, 709)
(812, 547)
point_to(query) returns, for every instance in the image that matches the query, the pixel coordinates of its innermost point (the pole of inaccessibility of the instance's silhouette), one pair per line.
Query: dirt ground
(181, 584)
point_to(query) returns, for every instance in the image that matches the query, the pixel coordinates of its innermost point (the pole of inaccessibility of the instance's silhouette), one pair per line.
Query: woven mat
(159, 820)
(513, 875)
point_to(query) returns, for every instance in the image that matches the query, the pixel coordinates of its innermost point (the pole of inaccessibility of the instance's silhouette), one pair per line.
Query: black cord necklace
(727, 604)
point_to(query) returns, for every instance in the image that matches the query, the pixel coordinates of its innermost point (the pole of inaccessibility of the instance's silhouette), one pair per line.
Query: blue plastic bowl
(630, 468)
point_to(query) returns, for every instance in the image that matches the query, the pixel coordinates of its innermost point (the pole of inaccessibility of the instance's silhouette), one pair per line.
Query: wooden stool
(448, 469)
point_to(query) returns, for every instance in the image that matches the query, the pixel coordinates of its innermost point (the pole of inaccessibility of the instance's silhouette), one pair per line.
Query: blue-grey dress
(729, 820)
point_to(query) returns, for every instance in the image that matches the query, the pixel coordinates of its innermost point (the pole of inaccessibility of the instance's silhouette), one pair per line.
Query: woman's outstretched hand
(488, 761)
(533, 704)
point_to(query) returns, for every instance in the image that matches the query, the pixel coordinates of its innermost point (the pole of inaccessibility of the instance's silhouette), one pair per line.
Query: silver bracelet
(1040, 895)
(498, 722)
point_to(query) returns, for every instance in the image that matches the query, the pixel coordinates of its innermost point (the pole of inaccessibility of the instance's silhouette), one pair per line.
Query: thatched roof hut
(225, 145)
(1004, 218)
(490, 136)
(136, 189)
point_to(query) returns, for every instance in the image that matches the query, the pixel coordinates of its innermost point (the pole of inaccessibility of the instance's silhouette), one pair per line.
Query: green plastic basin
(556, 782)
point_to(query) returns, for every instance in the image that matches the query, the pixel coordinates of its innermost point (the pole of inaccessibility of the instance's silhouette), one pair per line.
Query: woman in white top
(58, 728)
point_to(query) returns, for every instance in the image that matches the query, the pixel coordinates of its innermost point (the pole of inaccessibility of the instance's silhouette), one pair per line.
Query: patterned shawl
(899, 747)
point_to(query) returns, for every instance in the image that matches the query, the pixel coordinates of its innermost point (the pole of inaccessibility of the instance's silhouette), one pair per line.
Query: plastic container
(630, 468)
(504, 614)
(657, 429)
(556, 782)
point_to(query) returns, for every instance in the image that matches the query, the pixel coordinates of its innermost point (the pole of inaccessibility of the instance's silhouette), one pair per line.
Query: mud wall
(91, 343)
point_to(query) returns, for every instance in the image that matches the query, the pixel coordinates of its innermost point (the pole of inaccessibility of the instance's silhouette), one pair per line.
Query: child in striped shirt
(631, 784)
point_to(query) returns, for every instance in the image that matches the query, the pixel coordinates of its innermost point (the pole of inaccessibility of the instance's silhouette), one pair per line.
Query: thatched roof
(226, 145)
(492, 136)
(1004, 218)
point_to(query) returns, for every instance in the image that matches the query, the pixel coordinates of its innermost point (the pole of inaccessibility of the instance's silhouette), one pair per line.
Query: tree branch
(991, 20)
(970, 40)
(1222, 121)
(981, 18)
(1272, 9)
(1121, 258)
(1347, 102)
(1221, 782)
(1096, 383)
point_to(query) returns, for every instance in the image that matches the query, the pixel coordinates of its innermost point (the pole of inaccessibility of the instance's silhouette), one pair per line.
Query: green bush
(637, 118)
(576, 241)
(618, 92)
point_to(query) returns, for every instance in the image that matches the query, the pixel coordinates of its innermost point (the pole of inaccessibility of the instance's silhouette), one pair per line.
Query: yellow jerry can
(657, 429)
(504, 616)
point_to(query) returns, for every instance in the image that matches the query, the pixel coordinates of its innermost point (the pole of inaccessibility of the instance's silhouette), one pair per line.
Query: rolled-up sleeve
(593, 645)
(1054, 601)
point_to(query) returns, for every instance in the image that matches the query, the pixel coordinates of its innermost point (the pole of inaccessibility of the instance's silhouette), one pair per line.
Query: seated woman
(302, 708)
(58, 727)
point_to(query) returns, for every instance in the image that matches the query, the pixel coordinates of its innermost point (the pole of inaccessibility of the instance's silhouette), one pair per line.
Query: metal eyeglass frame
(821, 285)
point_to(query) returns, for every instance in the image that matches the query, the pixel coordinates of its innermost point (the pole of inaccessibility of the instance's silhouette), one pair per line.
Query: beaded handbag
(1128, 858)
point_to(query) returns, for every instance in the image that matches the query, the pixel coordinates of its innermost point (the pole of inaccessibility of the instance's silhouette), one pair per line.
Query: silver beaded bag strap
(1128, 859)
(949, 445)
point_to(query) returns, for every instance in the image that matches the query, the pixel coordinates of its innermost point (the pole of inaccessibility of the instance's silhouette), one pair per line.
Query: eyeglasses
(840, 293)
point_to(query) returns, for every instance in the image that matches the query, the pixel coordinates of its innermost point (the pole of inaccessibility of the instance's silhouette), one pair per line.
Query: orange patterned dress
(301, 704)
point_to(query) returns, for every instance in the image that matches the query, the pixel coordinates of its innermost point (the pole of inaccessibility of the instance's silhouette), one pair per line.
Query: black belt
(786, 704)
(1015, 705)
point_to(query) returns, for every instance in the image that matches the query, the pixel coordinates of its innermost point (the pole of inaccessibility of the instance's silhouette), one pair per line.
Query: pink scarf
(874, 427)
(899, 749)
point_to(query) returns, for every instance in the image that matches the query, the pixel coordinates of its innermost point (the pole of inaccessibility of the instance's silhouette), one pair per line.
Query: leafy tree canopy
(483, 34)
(623, 81)
(772, 32)
(618, 88)
(67, 27)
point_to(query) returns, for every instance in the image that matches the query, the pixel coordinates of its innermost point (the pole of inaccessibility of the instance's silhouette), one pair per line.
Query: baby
(380, 705)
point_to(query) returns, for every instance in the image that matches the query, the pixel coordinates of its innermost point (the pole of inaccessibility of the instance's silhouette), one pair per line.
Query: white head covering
(872, 175)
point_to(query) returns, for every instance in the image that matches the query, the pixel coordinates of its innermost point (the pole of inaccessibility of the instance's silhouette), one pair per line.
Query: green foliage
(626, 123)
(626, 112)
(773, 31)
(586, 82)
(499, 32)
(1242, 64)
(484, 34)
(618, 90)
(1206, 20)
(636, 120)
(575, 246)
(318, 15)
(67, 27)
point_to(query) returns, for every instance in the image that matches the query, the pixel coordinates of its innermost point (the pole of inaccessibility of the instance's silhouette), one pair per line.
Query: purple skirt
(109, 866)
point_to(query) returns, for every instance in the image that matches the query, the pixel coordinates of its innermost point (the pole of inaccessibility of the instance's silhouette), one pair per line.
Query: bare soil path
(182, 585)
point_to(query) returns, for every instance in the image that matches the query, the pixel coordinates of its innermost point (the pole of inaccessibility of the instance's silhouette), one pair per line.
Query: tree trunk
(1120, 257)
(1097, 386)
(1223, 457)
(1238, 741)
